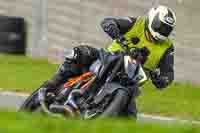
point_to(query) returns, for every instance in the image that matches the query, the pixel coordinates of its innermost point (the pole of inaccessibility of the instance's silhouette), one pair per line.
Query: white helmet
(160, 22)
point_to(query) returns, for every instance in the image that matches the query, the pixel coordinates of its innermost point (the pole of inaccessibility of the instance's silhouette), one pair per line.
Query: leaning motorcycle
(107, 89)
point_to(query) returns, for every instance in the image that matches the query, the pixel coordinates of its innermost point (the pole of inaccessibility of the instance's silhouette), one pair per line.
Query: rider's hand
(140, 54)
(159, 80)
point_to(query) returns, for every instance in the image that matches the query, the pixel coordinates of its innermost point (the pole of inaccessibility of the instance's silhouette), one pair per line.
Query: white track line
(142, 116)
(10, 93)
(168, 119)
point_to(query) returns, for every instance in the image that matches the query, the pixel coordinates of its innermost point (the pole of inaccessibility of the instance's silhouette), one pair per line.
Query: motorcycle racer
(151, 31)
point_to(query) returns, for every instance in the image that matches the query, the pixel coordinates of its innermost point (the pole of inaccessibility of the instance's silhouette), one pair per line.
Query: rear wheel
(31, 104)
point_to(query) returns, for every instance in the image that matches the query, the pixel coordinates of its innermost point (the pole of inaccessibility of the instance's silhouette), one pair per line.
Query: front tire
(117, 105)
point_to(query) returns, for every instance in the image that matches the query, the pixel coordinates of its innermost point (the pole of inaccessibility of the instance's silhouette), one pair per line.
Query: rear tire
(117, 105)
(29, 104)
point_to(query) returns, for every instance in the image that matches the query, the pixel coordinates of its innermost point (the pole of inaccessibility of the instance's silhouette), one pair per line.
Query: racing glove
(158, 80)
(140, 54)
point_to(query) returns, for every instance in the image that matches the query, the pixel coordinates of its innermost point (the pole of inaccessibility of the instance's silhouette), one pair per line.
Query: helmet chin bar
(153, 37)
(159, 37)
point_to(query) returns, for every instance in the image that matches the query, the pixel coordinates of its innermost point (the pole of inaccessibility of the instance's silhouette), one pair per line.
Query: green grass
(180, 100)
(23, 123)
(20, 73)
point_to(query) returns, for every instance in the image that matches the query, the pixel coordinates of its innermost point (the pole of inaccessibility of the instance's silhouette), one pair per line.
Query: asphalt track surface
(10, 100)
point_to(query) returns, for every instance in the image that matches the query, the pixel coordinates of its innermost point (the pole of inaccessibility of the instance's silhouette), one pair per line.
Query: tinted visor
(160, 27)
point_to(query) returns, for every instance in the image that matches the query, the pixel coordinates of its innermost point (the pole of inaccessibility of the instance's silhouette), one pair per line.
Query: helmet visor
(161, 27)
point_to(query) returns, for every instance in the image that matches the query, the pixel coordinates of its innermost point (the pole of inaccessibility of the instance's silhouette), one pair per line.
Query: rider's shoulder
(169, 41)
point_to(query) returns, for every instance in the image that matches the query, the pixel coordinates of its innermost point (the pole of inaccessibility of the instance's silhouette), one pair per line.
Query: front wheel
(117, 104)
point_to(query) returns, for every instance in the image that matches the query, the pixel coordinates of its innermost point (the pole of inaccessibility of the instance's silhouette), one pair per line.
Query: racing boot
(70, 107)
(62, 109)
